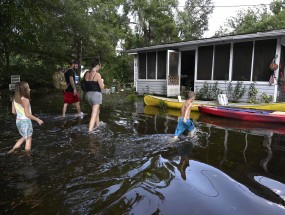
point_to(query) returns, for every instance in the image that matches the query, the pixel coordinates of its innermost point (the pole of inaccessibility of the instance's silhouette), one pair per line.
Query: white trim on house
(252, 60)
(135, 70)
(213, 62)
(276, 73)
(231, 61)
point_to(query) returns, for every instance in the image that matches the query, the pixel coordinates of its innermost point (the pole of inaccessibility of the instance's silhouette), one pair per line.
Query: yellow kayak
(158, 101)
(170, 103)
(152, 110)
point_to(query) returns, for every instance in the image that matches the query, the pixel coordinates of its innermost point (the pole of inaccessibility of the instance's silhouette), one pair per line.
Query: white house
(165, 69)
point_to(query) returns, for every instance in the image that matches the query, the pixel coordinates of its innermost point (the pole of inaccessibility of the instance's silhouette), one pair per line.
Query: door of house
(173, 73)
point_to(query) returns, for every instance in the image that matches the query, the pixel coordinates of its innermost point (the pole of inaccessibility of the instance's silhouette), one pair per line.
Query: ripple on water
(130, 165)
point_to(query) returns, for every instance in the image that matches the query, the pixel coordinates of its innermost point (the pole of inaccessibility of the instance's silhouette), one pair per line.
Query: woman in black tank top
(94, 86)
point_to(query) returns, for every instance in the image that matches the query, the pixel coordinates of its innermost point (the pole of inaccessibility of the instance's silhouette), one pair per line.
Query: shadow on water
(130, 165)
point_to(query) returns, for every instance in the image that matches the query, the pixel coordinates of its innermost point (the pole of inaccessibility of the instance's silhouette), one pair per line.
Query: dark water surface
(130, 166)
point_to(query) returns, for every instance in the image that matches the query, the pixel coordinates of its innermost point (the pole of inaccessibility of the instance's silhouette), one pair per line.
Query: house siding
(151, 87)
(281, 94)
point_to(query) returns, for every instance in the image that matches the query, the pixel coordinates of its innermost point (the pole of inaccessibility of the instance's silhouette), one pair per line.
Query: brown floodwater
(130, 165)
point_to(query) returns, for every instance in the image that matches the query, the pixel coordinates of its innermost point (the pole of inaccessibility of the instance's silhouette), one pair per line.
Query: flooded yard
(130, 165)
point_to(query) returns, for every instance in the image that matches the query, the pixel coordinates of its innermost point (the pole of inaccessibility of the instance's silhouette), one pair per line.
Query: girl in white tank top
(22, 108)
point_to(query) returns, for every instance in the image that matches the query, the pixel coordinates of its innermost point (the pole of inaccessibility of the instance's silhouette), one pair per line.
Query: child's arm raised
(26, 104)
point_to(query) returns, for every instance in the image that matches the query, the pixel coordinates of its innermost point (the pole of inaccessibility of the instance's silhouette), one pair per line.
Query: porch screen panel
(161, 65)
(173, 64)
(264, 53)
(151, 65)
(205, 59)
(142, 66)
(242, 61)
(222, 61)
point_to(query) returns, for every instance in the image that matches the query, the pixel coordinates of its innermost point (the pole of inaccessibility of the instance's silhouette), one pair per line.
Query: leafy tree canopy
(193, 20)
(36, 37)
(255, 20)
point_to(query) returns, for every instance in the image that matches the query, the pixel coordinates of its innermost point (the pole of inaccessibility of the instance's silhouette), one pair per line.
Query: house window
(151, 65)
(264, 52)
(205, 59)
(222, 61)
(142, 66)
(161, 65)
(242, 58)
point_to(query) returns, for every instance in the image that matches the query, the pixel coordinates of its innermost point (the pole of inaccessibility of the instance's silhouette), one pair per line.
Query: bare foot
(174, 139)
(28, 152)
(12, 150)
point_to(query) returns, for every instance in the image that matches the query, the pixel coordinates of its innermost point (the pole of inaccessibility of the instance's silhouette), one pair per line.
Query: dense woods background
(39, 37)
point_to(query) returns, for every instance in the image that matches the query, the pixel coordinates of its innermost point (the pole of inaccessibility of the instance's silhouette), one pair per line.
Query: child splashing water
(184, 121)
(21, 106)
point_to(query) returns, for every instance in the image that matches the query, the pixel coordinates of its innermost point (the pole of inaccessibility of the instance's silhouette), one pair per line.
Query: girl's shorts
(25, 127)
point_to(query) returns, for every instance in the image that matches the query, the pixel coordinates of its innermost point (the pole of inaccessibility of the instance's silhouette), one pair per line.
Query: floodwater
(130, 166)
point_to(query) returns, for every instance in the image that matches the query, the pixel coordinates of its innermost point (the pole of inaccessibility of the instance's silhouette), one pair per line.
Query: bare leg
(64, 109)
(97, 118)
(17, 145)
(77, 105)
(28, 144)
(94, 116)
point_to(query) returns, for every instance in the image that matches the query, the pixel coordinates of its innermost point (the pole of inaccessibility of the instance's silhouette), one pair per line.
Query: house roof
(212, 40)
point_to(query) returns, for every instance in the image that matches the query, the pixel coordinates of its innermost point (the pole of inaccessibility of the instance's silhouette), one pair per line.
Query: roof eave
(212, 40)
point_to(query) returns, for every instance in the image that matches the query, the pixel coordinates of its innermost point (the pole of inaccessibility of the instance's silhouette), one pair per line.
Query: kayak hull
(175, 104)
(244, 114)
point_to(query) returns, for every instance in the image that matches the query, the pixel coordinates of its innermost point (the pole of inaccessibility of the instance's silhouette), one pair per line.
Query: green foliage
(162, 104)
(36, 37)
(39, 36)
(265, 98)
(236, 93)
(121, 69)
(132, 98)
(255, 20)
(276, 6)
(153, 22)
(208, 91)
(120, 98)
(252, 92)
(193, 20)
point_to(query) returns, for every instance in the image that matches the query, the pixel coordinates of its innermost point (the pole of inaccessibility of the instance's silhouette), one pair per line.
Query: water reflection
(267, 144)
(184, 151)
(249, 136)
(268, 133)
(275, 186)
(23, 180)
(131, 166)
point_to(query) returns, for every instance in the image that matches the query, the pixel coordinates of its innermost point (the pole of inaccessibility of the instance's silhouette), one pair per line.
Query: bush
(236, 93)
(208, 91)
(265, 98)
(252, 92)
